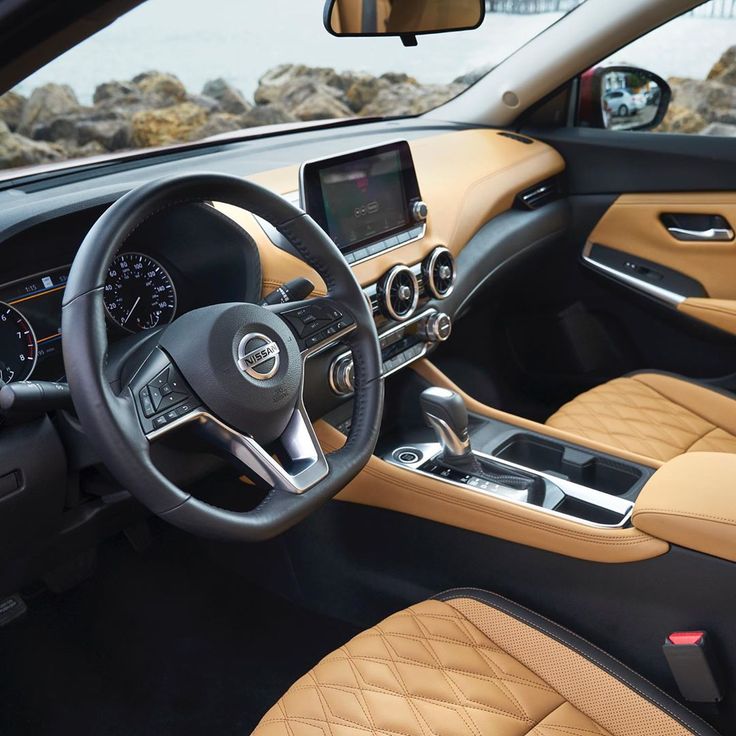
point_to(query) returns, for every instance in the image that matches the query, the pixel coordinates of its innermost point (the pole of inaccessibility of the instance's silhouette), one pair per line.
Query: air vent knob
(420, 211)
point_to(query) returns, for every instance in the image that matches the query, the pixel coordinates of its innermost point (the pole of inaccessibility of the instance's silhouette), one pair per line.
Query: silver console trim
(669, 297)
(606, 501)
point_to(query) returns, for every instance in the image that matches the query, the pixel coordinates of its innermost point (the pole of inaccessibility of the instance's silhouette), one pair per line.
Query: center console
(490, 457)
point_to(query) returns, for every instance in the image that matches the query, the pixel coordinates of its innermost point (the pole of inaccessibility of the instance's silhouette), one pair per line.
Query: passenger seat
(657, 415)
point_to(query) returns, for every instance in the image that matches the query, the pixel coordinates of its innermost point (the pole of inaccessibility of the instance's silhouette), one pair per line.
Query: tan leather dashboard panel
(466, 178)
(632, 225)
(689, 502)
(390, 487)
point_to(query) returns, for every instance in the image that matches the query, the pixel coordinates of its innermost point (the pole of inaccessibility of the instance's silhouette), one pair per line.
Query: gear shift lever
(446, 413)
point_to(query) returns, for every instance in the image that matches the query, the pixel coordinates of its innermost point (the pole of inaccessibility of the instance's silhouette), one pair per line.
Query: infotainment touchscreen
(361, 198)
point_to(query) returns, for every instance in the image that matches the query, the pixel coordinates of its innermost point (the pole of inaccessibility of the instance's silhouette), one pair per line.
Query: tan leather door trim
(720, 313)
(632, 225)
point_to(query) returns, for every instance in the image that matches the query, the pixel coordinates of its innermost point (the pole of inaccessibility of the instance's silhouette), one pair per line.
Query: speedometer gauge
(139, 293)
(18, 347)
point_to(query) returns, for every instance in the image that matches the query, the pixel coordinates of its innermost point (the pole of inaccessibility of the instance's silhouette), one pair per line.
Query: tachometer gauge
(139, 293)
(18, 346)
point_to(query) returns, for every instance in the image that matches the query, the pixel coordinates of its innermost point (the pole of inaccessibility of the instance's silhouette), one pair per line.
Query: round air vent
(398, 293)
(439, 272)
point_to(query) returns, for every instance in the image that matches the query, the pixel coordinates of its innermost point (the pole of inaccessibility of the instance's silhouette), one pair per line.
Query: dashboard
(411, 218)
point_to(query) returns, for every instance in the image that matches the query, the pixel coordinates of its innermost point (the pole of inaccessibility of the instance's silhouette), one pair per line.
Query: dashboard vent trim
(539, 195)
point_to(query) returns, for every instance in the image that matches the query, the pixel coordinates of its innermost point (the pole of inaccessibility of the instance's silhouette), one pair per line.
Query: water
(241, 39)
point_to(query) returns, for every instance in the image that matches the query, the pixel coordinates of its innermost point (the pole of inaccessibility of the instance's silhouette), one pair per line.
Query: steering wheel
(236, 371)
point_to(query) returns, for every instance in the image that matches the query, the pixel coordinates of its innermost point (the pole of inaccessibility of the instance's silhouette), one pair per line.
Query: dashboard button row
(390, 242)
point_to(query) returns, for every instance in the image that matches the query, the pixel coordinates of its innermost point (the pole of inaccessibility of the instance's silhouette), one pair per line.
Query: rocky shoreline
(705, 106)
(155, 109)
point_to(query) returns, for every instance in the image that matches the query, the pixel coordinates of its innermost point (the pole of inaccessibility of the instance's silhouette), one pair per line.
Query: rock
(17, 150)
(11, 109)
(162, 127)
(682, 120)
(275, 85)
(724, 70)
(321, 105)
(408, 99)
(706, 98)
(221, 122)
(93, 148)
(161, 89)
(395, 78)
(720, 129)
(266, 115)
(111, 135)
(119, 93)
(230, 99)
(46, 103)
(208, 104)
(467, 80)
(362, 92)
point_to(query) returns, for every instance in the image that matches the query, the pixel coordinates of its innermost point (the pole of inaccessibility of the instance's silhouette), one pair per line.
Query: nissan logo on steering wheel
(258, 356)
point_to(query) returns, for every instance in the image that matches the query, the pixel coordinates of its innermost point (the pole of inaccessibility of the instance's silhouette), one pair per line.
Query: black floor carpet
(159, 643)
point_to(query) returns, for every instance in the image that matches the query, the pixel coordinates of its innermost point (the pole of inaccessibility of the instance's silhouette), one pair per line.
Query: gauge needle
(132, 309)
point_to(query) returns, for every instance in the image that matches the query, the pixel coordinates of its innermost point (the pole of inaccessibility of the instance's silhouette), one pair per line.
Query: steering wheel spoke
(162, 398)
(294, 463)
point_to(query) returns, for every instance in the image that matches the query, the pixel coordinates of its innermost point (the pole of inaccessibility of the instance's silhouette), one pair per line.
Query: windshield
(179, 71)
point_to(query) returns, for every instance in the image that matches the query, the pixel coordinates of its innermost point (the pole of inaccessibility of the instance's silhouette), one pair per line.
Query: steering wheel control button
(258, 356)
(315, 323)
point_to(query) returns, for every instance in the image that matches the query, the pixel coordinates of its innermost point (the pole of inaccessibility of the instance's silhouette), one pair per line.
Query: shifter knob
(446, 413)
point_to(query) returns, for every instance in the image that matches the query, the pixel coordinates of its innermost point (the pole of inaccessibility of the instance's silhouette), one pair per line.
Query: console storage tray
(578, 465)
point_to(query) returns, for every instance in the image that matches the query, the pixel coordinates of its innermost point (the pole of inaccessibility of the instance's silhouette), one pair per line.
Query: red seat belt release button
(693, 666)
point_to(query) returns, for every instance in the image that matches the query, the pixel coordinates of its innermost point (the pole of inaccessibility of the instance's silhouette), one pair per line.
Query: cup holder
(575, 464)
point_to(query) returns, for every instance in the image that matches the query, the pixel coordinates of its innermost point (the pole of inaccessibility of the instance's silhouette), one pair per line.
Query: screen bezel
(313, 204)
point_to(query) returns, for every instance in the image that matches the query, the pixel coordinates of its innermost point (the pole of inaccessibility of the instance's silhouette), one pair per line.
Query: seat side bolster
(714, 406)
(606, 690)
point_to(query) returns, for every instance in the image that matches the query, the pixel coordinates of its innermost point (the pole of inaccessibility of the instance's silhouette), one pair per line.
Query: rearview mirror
(622, 98)
(404, 18)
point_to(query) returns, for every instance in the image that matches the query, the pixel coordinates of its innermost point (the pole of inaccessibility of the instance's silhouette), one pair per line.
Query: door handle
(710, 235)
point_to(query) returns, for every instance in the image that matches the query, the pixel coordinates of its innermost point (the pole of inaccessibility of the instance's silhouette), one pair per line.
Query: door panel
(634, 225)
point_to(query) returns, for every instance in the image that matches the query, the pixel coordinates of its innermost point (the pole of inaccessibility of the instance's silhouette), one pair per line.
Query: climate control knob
(342, 376)
(437, 327)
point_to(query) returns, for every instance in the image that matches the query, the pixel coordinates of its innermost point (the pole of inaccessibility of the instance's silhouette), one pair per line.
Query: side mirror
(404, 18)
(622, 98)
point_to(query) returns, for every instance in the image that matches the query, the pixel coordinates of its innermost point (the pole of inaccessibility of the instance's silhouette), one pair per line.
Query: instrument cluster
(139, 294)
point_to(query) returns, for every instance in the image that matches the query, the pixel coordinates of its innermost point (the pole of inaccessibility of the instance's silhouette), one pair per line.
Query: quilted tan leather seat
(653, 414)
(470, 662)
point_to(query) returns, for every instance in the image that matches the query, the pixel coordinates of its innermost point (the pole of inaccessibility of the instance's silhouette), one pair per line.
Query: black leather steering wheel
(237, 371)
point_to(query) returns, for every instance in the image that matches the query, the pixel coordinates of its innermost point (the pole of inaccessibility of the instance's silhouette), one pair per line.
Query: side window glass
(693, 55)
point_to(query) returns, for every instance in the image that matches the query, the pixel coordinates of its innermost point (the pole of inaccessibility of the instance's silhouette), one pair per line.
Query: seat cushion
(470, 662)
(653, 414)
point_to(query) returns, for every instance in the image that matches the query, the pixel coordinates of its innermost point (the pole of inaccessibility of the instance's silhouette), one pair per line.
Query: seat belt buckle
(693, 665)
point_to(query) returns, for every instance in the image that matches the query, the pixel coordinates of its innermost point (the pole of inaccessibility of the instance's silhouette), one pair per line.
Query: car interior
(400, 425)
